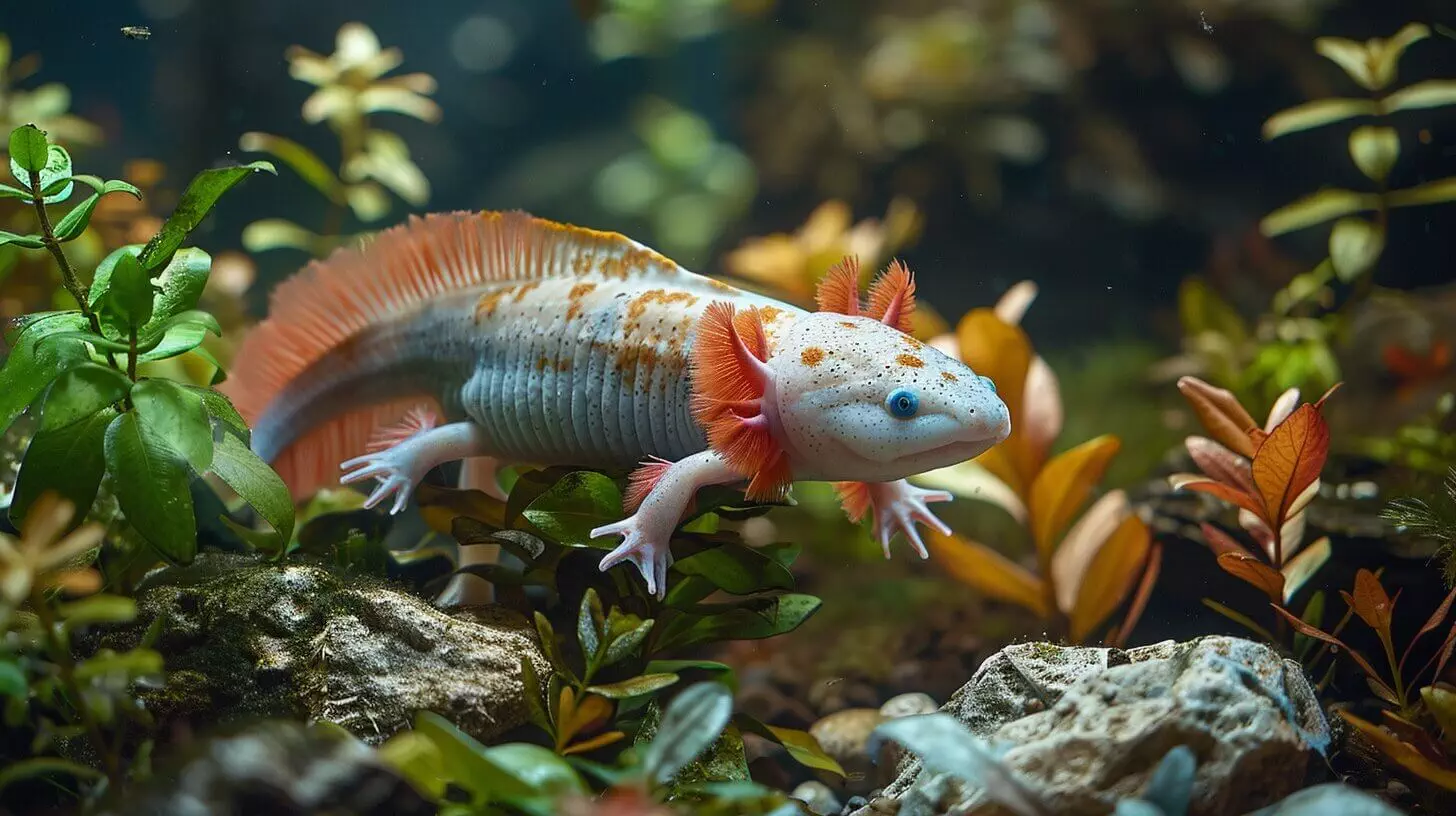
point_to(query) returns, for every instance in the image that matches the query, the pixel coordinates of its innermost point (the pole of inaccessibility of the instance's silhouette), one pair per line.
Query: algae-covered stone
(245, 639)
(1085, 727)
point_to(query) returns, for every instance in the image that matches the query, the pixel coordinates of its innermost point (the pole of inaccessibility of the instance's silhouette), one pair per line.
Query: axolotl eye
(902, 403)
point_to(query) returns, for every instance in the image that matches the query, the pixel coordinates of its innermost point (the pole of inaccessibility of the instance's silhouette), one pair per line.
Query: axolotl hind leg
(661, 492)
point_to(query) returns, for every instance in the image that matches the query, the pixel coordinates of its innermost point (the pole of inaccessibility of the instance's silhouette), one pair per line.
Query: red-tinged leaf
(1220, 463)
(1289, 462)
(1383, 692)
(1221, 542)
(1221, 415)
(1412, 734)
(1221, 491)
(1371, 602)
(1436, 618)
(1403, 754)
(1319, 634)
(1110, 576)
(1140, 597)
(1251, 570)
(992, 573)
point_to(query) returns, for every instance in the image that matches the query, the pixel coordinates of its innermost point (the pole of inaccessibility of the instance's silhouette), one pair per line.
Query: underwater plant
(351, 85)
(1085, 570)
(1434, 518)
(686, 759)
(50, 695)
(79, 367)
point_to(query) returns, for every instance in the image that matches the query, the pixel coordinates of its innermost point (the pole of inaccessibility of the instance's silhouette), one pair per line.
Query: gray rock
(817, 797)
(1331, 799)
(845, 735)
(1085, 727)
(242, 639)
(905, 705)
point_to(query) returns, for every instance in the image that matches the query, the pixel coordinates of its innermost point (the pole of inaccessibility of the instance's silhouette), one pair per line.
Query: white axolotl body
(501, 338)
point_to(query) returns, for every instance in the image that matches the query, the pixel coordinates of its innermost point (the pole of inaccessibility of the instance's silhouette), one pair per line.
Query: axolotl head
(859, 400)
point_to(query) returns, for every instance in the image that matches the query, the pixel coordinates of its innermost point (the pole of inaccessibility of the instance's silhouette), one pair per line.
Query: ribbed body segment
(593, 370)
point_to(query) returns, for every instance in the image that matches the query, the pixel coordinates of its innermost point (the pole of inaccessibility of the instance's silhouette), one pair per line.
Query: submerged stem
(66, 666)
(68, 273)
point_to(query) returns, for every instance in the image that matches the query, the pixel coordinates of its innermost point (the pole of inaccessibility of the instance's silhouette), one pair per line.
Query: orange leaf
(1250, 569)
(1289, 463)
(996, 349)
(1140, 598)
(581, 716)
(599, 741)
(1110, 576)
(1232, 495)
(1062, 488)
(1404, 754)
(1299, 569)
(1371, 602)
(990, 572)
(1221, 415)
(1221, 542)
(1319, 634)
(1000, 465)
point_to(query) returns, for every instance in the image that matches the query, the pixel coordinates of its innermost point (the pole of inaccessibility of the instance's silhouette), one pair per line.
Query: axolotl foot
(895, 507)
(642, 545)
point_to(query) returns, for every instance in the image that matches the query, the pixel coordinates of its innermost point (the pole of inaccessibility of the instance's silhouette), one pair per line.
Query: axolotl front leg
(664, 489)
(401, 466)
(894, 507)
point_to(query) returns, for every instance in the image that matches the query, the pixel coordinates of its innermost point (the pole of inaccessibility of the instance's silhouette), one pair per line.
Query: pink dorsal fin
(396, 273)
(839, 288)
(892, 297)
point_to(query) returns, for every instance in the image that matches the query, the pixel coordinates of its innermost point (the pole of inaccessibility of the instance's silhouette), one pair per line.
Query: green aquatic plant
(1433, 518)
(77, 368)
(52, 697)
(352, 86)
(688, 761)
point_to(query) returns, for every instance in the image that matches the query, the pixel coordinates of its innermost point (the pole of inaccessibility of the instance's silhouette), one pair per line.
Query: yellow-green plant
(351, 85)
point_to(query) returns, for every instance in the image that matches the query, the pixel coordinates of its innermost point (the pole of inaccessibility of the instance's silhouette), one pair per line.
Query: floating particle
(136, 32)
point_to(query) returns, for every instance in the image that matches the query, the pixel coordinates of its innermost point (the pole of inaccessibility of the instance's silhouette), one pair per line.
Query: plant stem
(131, 356)
(66, 665)
(68, 273)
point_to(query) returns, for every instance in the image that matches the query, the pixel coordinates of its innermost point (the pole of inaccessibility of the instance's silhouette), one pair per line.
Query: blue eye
(990, 383)
(903, 403)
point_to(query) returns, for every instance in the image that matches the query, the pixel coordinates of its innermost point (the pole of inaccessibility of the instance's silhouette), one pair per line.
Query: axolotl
(497, 337)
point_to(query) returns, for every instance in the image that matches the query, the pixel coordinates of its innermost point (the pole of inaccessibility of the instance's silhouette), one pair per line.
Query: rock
(243, 639)
(905, 705)
(1085, 727)
(1330, 799)
(817, 797)
(280, 768)
(845, 735)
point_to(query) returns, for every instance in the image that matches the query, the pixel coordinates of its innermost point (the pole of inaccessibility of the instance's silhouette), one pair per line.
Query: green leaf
(1315, 209)
(752, 620)
(177, 340)
(268, 234)
(129, 293)
(55, 175)
(31, 367)
(98, 609)
(181, 282)
(105, 187)
(132, 664)
(719, 672)
(634, 686)
(588, 625)
(26, 241)
(546, 634)
(28, 152)
(1432, 93)
(6, 191)
(801, 745)
(73, 223)
(303, 161)
(197, 201)
(44, 766)
(691, 723)
(535, 698)
(220, 408)
(466, 763)
(80, 392)
(1432, 192)
(172, 412)
(538, 767)
(257, 484)
(151, 485)
(571, 508)
(1315, 114)
(12, 680)
(101, 280)
(68, 461)
(736, 569)
(626, 644)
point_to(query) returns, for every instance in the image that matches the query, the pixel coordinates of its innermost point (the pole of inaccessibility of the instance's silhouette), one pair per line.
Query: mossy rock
(244, 639)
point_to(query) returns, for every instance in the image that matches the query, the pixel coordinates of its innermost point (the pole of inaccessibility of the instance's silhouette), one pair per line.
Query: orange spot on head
(948, 377)
(848, 325)
(812, 356)
(910, 361)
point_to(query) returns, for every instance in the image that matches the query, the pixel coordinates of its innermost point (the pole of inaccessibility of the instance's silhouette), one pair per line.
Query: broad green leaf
(626, 643)
(197, 201)
(1432, 93)
(801, 745)
(1315, 114)
(466, 763)
(101, 280)
(691, 723)
(538, 767)
(12, 679)
(46, 766)
(220, 408)
(151, 484)
(98, 609)
(634, 686)
(80, 392)
(589, 625)
(68, 461)
(177, 340)
(720, 672)
(535, 697)
(26, 241)
(6, 191)
(278, 233)
(57, 168)
(257, 484)
(571, 508)
(28, 152)
(31, 366)
(129, 292)
(1432, 192)
(1355, 247)
(73, 223)
(1374, 150)
(1316, 209)
(181, 282)
(751, 620)
(106, 187)
(133, 664)
(303, 161)
(173, 412)
(736, 569)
